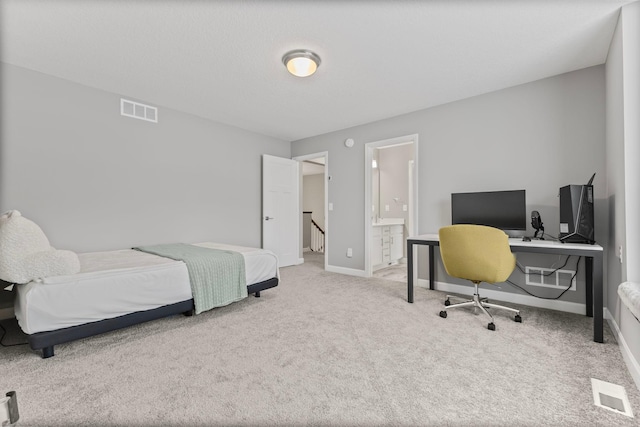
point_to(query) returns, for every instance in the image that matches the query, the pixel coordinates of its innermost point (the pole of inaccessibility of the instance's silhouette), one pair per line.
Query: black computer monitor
(505, 210)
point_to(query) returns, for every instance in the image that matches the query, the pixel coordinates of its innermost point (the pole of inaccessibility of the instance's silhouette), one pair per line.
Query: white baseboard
(347, 271)
(570, 307)
(632, 364)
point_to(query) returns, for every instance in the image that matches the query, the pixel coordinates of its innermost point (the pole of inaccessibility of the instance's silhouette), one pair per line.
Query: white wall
(623, 177)
(615, 166)
(631, 83)
(538, 136)
(95, 180)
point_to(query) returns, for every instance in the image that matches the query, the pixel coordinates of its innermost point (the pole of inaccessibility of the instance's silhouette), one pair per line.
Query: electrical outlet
(565, 278)
(404, 208)
(386, 208)
(349, 252)
(620, 253)
(550, 278)
(534, 276)
(330, 206)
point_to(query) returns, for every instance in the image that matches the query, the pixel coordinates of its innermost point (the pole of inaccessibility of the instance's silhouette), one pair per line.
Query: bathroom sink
(388, 221)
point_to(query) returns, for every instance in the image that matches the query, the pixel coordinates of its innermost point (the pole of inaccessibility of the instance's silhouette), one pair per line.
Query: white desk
(593, 267)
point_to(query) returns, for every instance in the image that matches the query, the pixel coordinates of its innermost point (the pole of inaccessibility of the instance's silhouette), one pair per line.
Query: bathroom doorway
(391, 202)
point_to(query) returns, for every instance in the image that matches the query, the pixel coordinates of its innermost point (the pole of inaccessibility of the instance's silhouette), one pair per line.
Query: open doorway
(314, 231)
(391, 202)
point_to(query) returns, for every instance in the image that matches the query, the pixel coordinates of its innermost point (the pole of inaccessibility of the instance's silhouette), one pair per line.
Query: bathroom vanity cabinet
(387, 243)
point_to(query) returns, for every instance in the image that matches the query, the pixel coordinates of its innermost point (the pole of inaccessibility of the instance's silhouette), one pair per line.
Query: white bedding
(116, 283)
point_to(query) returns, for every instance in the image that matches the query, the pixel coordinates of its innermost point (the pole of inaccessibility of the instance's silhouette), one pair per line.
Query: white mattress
(115, 283)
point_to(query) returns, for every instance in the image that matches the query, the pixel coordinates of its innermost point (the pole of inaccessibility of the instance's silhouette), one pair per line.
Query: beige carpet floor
(397, 273)
(326, 349)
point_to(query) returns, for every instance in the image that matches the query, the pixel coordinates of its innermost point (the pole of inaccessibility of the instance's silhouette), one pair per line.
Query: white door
(280, 206)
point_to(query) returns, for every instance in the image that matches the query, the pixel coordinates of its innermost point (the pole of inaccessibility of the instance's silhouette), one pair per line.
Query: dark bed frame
(45, 341)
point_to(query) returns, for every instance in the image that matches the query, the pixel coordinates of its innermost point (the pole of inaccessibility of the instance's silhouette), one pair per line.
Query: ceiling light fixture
(301, 62)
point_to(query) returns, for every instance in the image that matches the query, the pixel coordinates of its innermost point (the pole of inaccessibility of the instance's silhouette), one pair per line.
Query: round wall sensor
(349, 143)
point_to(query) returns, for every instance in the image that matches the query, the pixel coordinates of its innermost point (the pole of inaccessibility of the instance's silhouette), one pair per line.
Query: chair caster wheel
(443, 314)
(447, 302)
(491, 326)
(518, 319)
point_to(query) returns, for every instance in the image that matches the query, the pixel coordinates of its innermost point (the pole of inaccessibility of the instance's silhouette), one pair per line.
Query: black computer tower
(576, 214)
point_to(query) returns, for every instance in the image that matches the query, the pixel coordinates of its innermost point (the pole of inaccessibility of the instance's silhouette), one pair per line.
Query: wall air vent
(138, 111)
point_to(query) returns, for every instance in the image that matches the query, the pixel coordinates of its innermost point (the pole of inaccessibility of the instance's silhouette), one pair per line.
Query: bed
(116, 289)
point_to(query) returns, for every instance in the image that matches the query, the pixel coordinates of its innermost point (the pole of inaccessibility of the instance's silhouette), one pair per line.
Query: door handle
(267, 218)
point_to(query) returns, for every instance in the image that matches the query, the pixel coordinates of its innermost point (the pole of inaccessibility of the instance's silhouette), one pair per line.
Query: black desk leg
(432, 267)
(409, 271)
(598, 280)
(588, 280)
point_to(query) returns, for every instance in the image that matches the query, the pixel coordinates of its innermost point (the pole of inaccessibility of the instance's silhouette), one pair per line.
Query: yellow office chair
(479, 254)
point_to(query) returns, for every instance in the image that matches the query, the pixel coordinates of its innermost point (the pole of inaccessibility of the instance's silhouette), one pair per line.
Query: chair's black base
(491, 326)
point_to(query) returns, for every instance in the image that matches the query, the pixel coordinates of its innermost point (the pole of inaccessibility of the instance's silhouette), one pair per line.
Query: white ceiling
(221, 60)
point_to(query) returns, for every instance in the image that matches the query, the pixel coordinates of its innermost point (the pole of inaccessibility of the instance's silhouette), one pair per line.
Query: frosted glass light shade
(301, 63)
